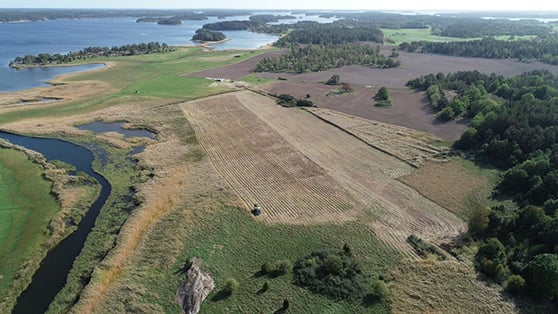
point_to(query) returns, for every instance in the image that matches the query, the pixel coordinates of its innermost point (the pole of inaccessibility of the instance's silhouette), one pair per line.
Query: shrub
(515, 284)
(283, 267)
(424, 249)
(332, 273)
(379, 290)
(267, 268)
(231, 285)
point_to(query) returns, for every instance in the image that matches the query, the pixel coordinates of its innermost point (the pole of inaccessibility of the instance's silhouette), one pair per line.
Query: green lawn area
(254, 80)
(416, 34)
(26, 207)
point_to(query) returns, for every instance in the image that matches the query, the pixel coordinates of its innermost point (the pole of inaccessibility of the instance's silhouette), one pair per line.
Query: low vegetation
(286, 100)
(332, 273)
(424, 249)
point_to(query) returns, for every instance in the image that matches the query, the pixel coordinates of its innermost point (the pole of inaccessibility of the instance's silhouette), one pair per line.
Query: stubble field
(302, 170)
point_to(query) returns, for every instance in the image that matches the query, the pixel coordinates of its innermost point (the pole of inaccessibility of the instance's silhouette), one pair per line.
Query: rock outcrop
(193, 291)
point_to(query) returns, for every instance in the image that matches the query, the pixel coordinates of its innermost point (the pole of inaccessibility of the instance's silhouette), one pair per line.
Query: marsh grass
(120, 171)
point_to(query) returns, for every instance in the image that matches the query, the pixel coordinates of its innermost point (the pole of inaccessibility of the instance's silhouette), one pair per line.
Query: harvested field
(410, 109)
(263, 168)
(454, 185)
(302, 170)
(405, 144)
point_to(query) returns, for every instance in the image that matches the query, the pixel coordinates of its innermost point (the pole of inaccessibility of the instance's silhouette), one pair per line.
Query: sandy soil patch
(263, 150)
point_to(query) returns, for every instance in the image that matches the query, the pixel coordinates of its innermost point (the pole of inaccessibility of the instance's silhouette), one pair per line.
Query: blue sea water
(64, 35)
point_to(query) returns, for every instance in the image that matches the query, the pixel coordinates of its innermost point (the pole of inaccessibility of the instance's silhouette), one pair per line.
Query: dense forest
(330, 34)
(203, 35)
(315, 58)
(540, 49)
(90, 52)
(515, 127)
(231, 25)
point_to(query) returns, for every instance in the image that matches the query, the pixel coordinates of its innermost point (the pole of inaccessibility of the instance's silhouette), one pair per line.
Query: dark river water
(51, 276)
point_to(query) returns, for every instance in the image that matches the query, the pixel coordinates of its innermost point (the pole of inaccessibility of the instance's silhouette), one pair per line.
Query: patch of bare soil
(302, 170)
(410, 109)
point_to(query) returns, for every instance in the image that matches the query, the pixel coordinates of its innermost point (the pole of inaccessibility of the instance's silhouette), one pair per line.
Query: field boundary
(361, 139)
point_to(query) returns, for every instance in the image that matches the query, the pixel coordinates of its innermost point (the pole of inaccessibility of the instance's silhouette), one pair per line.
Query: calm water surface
(63, 36)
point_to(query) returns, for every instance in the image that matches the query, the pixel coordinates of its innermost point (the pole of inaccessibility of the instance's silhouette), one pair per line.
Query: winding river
(50, 278)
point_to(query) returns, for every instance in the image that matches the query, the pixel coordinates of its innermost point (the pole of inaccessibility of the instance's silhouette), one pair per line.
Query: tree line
(203, 34)
(515, 127)
(313, 58)
(540, 49)
(90, 52)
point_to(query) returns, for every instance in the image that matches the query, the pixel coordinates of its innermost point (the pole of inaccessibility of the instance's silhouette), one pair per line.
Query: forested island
(204, 35)
(90, 52)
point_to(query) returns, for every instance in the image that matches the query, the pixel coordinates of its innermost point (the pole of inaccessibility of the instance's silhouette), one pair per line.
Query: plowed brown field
(302, 170)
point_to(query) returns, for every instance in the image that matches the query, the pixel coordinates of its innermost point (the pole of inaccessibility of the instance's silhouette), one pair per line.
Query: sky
(459, 5)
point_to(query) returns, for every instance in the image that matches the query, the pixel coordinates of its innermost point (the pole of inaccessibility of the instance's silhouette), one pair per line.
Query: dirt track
(302, 170)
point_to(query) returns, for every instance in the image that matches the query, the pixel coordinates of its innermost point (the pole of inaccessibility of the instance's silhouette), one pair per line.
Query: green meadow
(26, 207)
